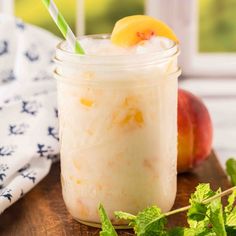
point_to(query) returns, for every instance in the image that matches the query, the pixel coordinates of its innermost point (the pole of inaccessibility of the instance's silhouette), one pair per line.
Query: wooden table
(42, 211)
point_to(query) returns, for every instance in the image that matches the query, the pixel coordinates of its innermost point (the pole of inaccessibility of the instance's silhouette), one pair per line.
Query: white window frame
(80, 17)
(182, 15)
(7, 6)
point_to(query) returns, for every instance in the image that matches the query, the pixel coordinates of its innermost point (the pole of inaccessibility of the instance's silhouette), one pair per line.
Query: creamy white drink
(118, 126)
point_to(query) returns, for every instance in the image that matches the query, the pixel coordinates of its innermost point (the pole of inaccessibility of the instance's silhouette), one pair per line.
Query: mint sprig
(142, 223)
(205, 214)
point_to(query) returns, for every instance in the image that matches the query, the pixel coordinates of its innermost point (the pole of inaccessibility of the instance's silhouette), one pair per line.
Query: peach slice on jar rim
(133, 30)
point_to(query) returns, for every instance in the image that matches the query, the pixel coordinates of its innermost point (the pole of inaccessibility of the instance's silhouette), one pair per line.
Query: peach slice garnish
(132, 30)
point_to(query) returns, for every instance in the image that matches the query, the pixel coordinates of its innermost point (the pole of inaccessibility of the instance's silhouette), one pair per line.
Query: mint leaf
(107, 227)
(230, 211)
(156, 227)
(217, 217)
(191, 232)
(202, 192)
(199, 224)
(231, 170)
(124, 215)
(178, 231)
(197, 212)
(231, 200)
(231, 218)
(206, 218)
(197, 218)
(150, 222)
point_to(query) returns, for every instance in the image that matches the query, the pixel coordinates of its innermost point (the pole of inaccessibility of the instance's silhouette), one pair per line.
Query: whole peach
(195, 131)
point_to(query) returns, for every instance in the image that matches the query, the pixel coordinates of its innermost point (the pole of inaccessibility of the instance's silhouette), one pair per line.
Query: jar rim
(158, 55)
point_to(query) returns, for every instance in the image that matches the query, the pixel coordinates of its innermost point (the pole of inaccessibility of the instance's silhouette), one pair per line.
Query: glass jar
(118, 131)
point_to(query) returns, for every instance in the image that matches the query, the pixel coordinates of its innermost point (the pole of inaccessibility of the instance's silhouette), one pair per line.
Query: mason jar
(118, 131)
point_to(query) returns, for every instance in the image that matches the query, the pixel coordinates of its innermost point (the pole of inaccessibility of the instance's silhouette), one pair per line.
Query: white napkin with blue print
(28, 109)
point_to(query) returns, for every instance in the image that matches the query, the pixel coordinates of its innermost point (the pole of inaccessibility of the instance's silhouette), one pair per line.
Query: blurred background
(207, 32)
(217, 26)
(216, 31)
(100, 16)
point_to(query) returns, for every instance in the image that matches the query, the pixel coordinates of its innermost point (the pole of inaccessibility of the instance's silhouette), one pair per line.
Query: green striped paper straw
(63, 26)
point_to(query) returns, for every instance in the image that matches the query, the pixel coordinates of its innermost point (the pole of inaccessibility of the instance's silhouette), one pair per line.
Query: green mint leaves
(107, 227)
(198, 209)
(230, 214)
(231, 170)
(148, 222)
(205, 214)
(216, 218)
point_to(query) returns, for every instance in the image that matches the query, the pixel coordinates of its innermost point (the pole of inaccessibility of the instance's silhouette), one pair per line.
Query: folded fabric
(28, 109)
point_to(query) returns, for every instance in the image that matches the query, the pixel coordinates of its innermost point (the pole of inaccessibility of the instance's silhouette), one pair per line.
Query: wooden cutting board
(42, 211)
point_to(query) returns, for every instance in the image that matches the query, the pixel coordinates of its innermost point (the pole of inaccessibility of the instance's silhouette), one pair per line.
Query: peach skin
(195, 131)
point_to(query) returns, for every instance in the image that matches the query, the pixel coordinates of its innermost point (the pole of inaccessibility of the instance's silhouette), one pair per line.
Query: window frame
(183, 16)
(80, 17)
(7, 7)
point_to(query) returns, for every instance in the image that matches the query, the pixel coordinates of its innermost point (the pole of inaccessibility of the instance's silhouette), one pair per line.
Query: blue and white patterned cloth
(28, 109)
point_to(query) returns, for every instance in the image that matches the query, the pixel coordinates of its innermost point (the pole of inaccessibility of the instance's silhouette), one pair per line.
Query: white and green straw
(63, 26)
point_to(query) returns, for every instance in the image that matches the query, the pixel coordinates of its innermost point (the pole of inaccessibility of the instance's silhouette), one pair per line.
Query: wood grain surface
(42, 211)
